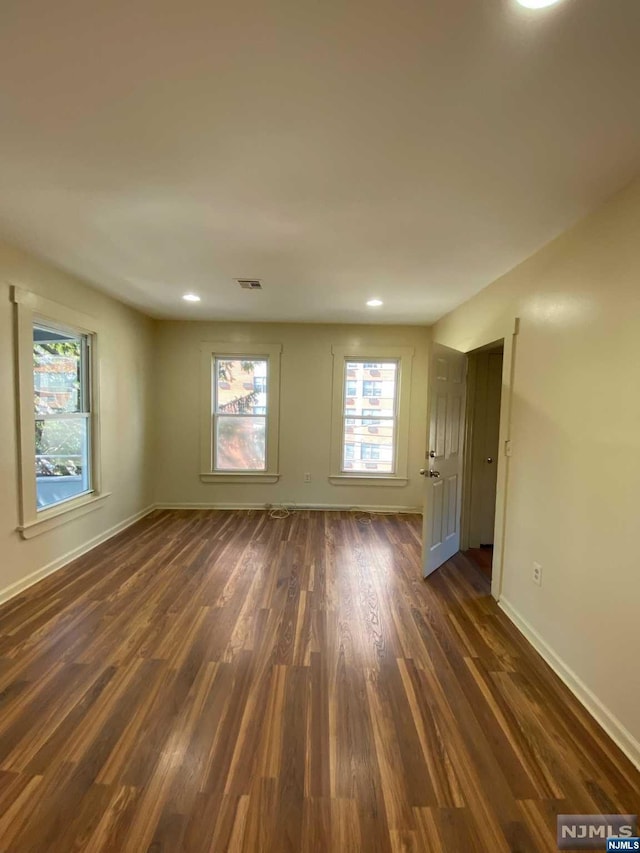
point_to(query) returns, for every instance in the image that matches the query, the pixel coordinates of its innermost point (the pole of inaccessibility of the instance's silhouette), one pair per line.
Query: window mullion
(239, 415)
(371, 417)
(62, 416)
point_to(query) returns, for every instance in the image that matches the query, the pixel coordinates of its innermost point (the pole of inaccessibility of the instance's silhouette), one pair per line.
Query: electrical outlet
(307, 478)
(536, 575)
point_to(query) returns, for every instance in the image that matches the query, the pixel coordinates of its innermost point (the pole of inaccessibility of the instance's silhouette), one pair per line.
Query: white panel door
(443, 466)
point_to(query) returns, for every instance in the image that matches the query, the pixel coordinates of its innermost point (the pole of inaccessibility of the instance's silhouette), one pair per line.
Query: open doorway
(482, 443)
(450, 442)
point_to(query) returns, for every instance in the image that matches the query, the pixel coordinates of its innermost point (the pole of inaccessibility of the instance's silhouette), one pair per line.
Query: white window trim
(404, 357)
(209, 351)
(30, 308)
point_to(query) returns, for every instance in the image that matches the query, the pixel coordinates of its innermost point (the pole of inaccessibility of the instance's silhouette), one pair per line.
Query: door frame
(485, 339)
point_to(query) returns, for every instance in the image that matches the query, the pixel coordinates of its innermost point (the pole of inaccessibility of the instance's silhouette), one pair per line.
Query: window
(370, 451)
(371, 388)
(371, 417)
(381, 448)
(370, 422)
(59, 414)
(349, 411)
(240, 432)
(62, 410)
(240, 414)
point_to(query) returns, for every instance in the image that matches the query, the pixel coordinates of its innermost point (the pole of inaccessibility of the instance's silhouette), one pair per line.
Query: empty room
(320, 498)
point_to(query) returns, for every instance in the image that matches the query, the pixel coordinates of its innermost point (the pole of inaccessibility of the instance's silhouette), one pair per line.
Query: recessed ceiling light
(191, 297)
(374, 303)
(537, 4)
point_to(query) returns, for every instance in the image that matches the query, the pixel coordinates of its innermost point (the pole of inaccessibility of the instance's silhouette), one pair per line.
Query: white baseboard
(293, 506)
(601, 714)
(24, 583)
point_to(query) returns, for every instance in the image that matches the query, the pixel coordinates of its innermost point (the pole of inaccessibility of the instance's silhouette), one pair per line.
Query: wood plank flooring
(211, 681)
(482, 559)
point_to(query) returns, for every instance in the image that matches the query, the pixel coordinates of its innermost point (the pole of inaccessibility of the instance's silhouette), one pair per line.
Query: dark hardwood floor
(212, 681)
(482, 559)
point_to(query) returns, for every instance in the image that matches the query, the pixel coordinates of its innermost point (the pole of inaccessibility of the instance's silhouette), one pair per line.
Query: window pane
(371, 390)
(240, 443)
(369, 451)
(57, 371)
(373, 417)
(240, 385)
(370, 409)
(62, 459)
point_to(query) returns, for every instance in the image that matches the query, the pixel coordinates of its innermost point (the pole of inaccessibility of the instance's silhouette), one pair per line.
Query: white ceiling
(339, 150)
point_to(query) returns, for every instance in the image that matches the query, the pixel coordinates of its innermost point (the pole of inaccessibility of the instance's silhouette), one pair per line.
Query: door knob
(429, 473)
(432, 454)
(489, 459)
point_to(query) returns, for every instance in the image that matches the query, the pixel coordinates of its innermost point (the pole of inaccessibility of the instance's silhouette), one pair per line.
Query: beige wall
(125, 349)
(574, 477)
(305, 414)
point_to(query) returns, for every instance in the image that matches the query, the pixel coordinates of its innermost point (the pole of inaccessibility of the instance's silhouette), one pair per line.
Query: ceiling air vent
(250, 283)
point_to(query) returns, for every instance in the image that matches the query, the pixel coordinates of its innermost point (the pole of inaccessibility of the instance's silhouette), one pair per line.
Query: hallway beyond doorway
(482, 559)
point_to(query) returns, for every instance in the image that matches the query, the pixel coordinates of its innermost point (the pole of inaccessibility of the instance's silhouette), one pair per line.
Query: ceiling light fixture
(537, 4)
(374, 303)
(191, 297)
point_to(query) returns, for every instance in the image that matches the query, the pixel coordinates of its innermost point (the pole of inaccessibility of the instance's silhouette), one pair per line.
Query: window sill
(361, 479)
(228, 477)
(61, 515)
